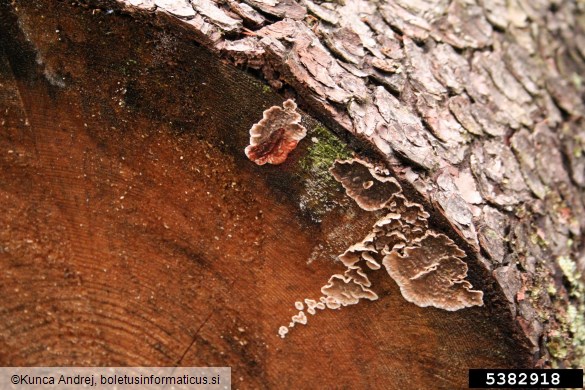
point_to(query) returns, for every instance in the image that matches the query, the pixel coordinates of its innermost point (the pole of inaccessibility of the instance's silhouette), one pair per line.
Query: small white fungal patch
(282, 331)
(299, 305)
(300, 318)
(330, 302)
(312, 305)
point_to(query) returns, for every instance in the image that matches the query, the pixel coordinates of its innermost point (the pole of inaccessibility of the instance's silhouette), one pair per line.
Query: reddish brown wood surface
(134, 231)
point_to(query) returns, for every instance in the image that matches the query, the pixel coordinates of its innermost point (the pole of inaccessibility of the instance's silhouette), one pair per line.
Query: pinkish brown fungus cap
(276, 135)
(412, 213)
(353, 253)
(358, 276)
(370, 190)
(371, 261)
(344, 290)
(432, 274)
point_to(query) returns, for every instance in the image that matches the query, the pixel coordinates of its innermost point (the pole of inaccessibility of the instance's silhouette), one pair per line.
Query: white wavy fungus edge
(426, 277)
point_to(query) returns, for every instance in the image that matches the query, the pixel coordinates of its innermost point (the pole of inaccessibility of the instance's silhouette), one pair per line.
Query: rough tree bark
(135, 231)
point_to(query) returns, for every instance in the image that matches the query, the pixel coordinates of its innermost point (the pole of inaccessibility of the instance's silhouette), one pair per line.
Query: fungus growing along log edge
(426, 265)
(276, 135)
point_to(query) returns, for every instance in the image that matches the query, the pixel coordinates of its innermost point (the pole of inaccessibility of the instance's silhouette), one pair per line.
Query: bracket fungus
(427, 266)
(430, 272)
(370, 190)
(276, 135)
(345, 290)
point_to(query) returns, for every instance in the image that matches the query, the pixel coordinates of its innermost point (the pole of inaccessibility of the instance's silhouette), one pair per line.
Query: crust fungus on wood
(312, 305)
(282, 331)
(431, 273)
(347, 290)
(427, 266)
(300, 318)
(276, 135)
(370, 190)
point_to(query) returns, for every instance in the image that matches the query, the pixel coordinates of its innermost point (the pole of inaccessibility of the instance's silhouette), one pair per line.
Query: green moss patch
(320, 188)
